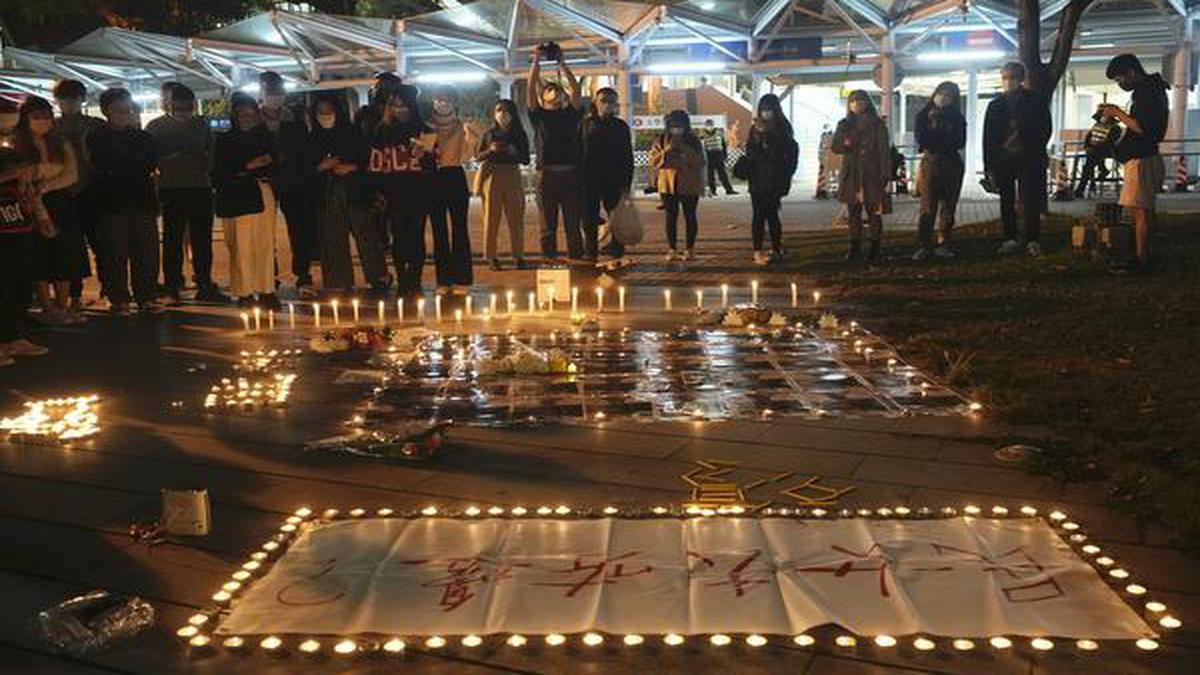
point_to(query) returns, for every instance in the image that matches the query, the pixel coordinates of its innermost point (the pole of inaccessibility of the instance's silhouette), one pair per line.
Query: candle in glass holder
(492, 304)
(271, 319)
(458, 317)
(292, 315)
(334, 305)
(509, 300)
(667, 299)
(574, 299)
(816, 298)
(724, 295)
(257, 319)
(421, 310)
(599, 298)
(354, 307)
(400, 310)
(437, 308)
(246, 321)
(699, 298)
(553, 293)
(469, 302)
(754, 291)
(317, 314)
(621, 298)
(532, 302)
(795, 295)
(381, 312)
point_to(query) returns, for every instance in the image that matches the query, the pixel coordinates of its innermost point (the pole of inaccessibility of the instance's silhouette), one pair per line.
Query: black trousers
(190, 211)
(451, 240)
(16, 283)
(688, 202)
(940, 184)
(129, 244)
(406, 215)
(716, 168)
(764, 210)
(88, 219)
(1025, 180)
(606, 197)
(1092, 161)
(559, 188)
(299, 206)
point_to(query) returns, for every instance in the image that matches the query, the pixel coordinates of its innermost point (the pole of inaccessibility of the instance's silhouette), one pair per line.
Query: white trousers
(251, 242)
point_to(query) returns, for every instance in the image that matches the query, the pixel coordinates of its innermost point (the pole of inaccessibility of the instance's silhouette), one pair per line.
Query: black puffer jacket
(772, 157)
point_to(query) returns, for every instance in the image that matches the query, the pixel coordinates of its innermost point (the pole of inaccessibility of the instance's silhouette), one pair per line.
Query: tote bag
(625, 223)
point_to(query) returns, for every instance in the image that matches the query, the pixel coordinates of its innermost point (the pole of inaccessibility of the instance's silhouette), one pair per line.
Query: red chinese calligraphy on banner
(462, 575)
(606, 570)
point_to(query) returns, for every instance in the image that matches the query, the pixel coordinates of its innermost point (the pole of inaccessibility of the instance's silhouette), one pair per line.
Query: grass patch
(1109, 364)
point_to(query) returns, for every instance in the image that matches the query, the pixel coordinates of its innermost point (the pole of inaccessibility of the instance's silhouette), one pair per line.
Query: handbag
(741, 168)
(625, 223)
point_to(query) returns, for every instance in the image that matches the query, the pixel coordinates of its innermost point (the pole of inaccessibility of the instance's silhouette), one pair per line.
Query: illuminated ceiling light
(451, 77)
(956, 56)
(686, 67)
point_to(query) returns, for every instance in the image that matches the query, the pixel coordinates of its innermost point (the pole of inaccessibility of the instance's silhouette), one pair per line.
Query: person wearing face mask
(1016, 128)
(717, 152)
(62, 258)
(451, 238)
(861, 138)
(607, 168)
(336, 156)
(291, 181)
(678, 157)
(555, 115)
(941, 134)
(400, 165)
(502, 151)
(771, 155)
(75, 127)
(1137, 148)
(184, 144)
(125, 163)
(243, 164)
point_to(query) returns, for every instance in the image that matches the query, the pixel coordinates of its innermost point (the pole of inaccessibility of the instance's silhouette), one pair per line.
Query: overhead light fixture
(1099, 45)
(974, 55)
(455, 77)
(686, 67)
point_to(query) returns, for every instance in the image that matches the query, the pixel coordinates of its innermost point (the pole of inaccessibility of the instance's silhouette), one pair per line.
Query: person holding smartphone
(556, 116)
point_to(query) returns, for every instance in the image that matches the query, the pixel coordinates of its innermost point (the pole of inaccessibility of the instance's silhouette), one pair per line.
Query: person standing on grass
(60, 259)
(555, 115)
(125, 164)
(677, 157)
(243, 161)
(291, 182)
(772, 154)
(22, 215)
(1016, 128)
(184, 144)
(861, 138)
(1137, 149)
(75, 127)
(336, 156)
(607, 169)
(941, 134)
(400, 165)
(454, 146)
(502, 151)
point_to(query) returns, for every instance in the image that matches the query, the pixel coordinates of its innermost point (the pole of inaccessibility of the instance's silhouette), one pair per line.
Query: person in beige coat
(861, 138)
(677, 157)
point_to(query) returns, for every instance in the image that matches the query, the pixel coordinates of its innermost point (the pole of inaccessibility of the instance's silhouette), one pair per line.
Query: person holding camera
(556, 116)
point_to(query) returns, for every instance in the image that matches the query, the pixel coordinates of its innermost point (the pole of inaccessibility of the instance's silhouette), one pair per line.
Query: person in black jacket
(941, 134)
(555, 114)
(772, 154)
(125, 161)
(1016, 128)
(336, 155)
(243, 162)
(607, 168)
(1137, 150)
(502, 150)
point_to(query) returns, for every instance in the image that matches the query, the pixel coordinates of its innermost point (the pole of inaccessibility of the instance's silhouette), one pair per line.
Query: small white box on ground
(185, 512)
(556, 280)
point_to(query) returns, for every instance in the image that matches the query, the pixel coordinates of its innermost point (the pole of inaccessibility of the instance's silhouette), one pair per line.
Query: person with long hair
(607, 168)
(451, 237)
(861, 138)
(75, 127)
(678, 159)
(21, 215)
(772, 154)
(400, 165)
(60, 259)
(502, 150)
(243, 158)
(941, 134)
(336, 156)
(125, 162)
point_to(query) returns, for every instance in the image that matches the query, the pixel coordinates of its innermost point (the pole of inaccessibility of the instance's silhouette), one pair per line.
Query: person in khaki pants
(502, 151)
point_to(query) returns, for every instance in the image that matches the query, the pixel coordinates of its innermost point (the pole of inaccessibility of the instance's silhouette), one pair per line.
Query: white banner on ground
(956, 577)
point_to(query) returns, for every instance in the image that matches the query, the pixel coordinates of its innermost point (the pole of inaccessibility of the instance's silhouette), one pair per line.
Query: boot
(855, 250)
(873, 251)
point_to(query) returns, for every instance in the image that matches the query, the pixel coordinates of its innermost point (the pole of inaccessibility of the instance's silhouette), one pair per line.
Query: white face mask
(41, 127)
(8, 121)
(327, 120)
(677, 131)
(273, 101)
(443, 107)
(941, 100)
(608, 108)
(767, 114)
(503, 119)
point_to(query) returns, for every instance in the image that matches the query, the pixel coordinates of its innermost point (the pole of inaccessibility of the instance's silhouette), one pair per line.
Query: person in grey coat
(861, 138)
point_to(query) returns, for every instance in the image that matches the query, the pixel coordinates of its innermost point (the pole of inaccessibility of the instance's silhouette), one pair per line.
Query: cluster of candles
(56, 419)
(196, 635)
(266, 361)
(271, 391)
(332, 313)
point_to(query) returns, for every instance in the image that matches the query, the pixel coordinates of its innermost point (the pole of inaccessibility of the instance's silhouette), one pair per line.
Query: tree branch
(1067, 25)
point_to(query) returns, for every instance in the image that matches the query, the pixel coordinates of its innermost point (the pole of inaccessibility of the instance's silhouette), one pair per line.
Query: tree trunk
(1041, 76)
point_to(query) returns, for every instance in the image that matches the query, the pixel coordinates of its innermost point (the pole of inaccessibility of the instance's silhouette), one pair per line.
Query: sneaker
(920, 254)
(688, 254)
(944, 251)
(672, 255)
(1034, 249)
(761, 259)
(119, 309)
(24, 347)
(495, 264)
(211, 293)
(442, 290)
(1009, 247)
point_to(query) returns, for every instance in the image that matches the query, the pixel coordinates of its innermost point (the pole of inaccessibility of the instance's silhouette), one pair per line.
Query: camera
(549, 51)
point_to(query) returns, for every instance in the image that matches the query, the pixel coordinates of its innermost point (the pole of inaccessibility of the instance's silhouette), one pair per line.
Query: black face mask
(1126, 86)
